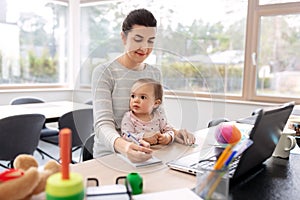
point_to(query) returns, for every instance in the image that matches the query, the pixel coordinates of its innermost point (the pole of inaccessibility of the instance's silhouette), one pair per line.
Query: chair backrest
(81, 124)
(20, 134)
(89, 102)
(87, 150)
(215, 122)
(25, 100)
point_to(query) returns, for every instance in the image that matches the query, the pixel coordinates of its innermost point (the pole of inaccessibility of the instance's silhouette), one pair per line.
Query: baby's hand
(164, 138)
(152, 138)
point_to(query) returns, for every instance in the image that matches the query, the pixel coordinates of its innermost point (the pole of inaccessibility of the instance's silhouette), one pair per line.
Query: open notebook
(265, 134)
(152, 161)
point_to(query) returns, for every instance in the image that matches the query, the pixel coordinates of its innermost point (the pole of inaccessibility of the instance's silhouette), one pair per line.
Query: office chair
(25, 100)
(215, 122)
(87, 149)
(89, 102)
(81, 124)
(45, 132)
(19, 134)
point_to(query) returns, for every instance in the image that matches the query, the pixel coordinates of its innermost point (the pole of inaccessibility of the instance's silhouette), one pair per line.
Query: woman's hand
(137, 153)
(144, 143)
(134, 152)
(182, 136)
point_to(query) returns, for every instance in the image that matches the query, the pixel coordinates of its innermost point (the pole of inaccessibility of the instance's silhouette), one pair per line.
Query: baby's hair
(141, 17)
(158, 89)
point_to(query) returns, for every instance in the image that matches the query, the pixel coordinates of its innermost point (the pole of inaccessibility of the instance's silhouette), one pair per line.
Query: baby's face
(142, 100)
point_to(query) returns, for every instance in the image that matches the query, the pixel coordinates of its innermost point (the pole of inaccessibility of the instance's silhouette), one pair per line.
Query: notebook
(265, 134)
(152, 161)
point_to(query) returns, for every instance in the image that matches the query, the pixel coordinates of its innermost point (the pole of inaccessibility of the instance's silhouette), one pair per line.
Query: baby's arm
(167, 133)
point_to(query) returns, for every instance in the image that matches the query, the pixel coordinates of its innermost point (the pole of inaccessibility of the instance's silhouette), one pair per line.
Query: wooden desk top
(156, 177)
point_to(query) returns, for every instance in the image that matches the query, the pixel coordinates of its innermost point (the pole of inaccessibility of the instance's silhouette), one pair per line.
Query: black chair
(81, 124)
(87, 149)
(45, 132)
(89, 102)
(19, 134)
(215, 122)
(25, 100)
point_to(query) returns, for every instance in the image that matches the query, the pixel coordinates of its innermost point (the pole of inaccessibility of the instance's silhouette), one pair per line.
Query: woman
(111, 84)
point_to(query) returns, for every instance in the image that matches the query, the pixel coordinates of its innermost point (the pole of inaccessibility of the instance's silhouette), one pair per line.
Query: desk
(280, 179)
(51, 110)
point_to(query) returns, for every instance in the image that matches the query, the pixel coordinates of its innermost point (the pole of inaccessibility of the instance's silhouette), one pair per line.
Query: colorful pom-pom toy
(227, 133)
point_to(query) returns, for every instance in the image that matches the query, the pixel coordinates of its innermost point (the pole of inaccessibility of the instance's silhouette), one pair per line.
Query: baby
(145, 120)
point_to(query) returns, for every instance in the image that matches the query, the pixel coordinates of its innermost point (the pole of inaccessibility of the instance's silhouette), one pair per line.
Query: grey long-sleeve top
(111, 84)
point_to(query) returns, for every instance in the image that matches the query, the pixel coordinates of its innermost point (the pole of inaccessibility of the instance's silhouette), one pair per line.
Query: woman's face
(139, 42)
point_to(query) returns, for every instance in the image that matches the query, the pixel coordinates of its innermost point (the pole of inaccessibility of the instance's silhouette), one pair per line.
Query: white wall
(194, 114)
(183, 112)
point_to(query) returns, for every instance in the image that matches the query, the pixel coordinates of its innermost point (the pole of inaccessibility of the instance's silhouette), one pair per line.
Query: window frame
(255, 11)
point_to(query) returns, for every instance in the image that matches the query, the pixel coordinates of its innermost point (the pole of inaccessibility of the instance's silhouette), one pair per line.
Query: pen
(230, 159)
(132, 138)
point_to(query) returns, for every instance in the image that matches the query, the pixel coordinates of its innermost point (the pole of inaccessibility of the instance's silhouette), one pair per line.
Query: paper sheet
(177, 194)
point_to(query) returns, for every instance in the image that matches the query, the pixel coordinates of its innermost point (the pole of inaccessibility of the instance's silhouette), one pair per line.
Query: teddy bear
(25, 179)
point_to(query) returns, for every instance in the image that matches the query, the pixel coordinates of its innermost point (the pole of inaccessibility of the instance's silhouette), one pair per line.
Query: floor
(53, 150)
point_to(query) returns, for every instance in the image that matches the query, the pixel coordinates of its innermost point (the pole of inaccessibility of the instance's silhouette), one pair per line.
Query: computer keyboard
(209, 164)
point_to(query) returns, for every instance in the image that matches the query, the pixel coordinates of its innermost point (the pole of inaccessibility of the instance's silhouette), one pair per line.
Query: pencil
(224, 156)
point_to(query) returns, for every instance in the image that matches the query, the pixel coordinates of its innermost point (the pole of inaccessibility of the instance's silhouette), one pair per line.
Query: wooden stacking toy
(65, 185)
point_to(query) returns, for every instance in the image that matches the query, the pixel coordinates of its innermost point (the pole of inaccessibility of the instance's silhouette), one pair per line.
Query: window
(275, 62)
(33, 42)
(207, 57)
(244, 50)
(240, 49)
(278, 65)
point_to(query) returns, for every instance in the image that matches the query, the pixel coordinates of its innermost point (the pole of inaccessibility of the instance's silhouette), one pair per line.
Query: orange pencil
(65, 154)
(224, 156)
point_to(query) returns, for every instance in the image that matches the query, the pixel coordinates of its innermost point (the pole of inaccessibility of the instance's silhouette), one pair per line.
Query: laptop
(265, 133)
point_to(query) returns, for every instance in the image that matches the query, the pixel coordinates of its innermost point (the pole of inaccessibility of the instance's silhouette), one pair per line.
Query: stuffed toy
(25, 180)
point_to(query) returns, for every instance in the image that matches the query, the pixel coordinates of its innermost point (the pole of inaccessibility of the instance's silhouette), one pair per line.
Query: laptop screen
(265, 135)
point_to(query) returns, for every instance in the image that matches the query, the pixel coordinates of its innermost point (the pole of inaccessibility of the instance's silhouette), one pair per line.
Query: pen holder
(212, 184)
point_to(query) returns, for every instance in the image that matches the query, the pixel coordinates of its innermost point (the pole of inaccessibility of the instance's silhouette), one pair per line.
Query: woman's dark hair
(141, 17)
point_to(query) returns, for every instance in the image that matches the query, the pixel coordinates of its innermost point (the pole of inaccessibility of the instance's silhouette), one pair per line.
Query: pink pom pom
(227, 133)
